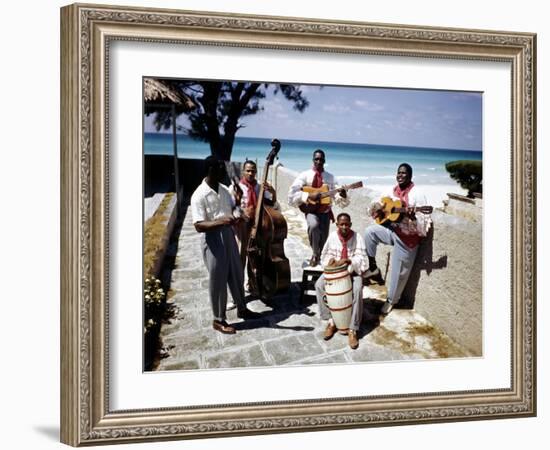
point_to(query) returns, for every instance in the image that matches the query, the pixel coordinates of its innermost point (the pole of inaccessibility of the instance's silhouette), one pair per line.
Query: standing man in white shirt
(344, 246)
(318, 221)
(405, 235)
(212, 208)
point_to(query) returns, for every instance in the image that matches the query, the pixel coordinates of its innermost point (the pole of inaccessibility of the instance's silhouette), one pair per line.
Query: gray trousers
(221, 257)
(402, 258)
(356, 303)
(317, 230)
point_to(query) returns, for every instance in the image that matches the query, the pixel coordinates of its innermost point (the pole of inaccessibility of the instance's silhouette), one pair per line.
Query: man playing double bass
(344, 246)
(250, 189)
(318, 220)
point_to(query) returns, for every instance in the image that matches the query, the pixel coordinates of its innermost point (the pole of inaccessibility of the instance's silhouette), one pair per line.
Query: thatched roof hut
(159, 93)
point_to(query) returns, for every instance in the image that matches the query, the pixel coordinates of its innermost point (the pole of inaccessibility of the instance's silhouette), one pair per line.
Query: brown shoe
(352, 339)
(223, 327)
(329, 331)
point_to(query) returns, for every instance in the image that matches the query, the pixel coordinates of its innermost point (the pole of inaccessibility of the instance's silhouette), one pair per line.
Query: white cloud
(368, 106)
(336, 109)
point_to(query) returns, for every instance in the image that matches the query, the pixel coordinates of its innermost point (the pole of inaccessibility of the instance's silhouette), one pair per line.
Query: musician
(344, 246)
(246, 196)
(318, 222)
(212, 209)
(405, 235)
(250, 189)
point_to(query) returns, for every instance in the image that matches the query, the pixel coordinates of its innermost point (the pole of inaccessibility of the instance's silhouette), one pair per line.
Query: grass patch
(153, 235)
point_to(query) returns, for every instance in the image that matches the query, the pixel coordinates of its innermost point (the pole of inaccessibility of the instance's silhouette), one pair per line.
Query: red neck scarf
(403, 194)
(251, 188)
(344, 242)
(317, 178)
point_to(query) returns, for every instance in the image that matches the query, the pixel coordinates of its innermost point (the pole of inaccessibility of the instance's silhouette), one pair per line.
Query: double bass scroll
(268, 267)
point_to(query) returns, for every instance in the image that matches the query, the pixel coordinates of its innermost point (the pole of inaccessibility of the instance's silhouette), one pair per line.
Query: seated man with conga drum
(339, 290)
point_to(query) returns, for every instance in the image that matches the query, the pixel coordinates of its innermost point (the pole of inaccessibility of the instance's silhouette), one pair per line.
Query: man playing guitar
(318, 219)
(405, 232)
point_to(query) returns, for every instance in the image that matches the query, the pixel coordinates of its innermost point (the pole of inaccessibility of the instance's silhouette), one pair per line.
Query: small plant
(154, 297)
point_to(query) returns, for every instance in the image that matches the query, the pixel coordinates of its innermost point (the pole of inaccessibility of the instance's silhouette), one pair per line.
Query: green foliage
(154, 303)
(222, 105)
(467, 173)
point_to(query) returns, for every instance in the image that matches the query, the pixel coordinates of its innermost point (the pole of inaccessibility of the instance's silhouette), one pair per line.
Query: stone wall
(446, 283)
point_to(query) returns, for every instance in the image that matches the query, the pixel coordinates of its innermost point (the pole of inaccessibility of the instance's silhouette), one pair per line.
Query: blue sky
(404, 117)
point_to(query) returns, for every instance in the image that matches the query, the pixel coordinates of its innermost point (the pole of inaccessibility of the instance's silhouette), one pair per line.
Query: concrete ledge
(465, 207)
(169, 215)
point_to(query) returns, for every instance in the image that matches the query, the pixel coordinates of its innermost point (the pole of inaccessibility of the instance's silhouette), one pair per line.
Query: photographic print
(256, 201)
(298, 224)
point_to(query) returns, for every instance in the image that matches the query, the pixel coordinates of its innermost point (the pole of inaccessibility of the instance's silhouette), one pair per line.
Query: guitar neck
(346, 187)
(414, 209)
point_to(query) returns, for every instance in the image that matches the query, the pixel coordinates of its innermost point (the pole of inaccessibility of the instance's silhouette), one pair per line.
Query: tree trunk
(209, 101)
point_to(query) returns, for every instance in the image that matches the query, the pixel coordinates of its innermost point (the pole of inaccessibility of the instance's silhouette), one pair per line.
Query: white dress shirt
(296, 196)
(207, 204)
(357, 252)
(244, 198)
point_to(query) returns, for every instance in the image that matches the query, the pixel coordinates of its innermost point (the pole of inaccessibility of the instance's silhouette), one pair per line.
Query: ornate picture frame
(87, 31)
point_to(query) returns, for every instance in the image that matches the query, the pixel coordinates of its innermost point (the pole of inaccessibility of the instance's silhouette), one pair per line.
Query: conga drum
(339, 295)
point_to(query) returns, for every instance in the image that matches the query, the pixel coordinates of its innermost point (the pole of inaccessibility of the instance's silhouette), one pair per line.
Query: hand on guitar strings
(314, 196)
(376, 210)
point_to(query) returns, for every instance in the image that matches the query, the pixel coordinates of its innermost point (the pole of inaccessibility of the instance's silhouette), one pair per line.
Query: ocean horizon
(375, 165)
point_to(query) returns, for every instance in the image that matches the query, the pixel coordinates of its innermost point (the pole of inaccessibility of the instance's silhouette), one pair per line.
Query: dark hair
(407, 167)
(211, 162)
(319, 151)
(249, 161)
(343, 214)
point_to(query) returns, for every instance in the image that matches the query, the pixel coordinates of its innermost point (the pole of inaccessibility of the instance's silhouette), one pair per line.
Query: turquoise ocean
(370, 163)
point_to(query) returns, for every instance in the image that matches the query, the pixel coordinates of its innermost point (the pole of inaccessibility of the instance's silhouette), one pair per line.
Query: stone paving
(289, 331)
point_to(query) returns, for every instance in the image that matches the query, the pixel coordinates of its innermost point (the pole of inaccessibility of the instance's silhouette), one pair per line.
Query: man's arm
(295, 194)
(209, 225)
(200, 216)
(359, 260)
(329, 253)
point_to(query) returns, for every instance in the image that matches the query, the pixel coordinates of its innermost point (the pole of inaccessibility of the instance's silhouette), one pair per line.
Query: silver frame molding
(86, 31)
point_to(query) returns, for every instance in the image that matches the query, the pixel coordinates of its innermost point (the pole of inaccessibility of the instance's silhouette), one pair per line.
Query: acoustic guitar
(392, 210)
(326, 196)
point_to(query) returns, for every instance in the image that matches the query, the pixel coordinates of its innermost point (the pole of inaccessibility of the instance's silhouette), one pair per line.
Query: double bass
(268, 267)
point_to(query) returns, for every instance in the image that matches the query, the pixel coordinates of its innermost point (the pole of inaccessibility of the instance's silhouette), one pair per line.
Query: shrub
(467, 173)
